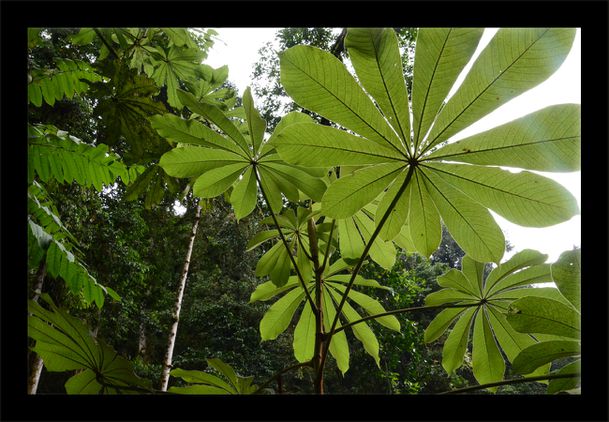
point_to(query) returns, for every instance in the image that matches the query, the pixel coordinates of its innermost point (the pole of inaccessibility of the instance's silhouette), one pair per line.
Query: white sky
(238, 48)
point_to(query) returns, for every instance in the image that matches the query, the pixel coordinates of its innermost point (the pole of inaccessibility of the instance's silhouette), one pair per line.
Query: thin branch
(402, 311)
(327, 254)
(279, 373)
(512, 381)
(285, 243)
(363, 257)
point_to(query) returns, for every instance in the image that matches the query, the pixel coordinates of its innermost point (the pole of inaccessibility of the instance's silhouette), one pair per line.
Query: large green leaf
(376, 59)
(470, 224)
(310, 144)
(205, 383)
(566, 384)
(372, 307)
(175, 65)
(318, 81)
(256, 125)
(546, 140)
(544, 316)
(539, 354)
(361, 331)
(440, 323)
(190, 161)
(304, 335)
(493, 336)
(278, 317)
(339, 347)
(245, 195)
(487, 362)
(349, 194)
(456, 343)
(440, 55)
(176, 129)
(423, 218)
(566, 273)
(520, 260)
(525, 198)
(514, 61)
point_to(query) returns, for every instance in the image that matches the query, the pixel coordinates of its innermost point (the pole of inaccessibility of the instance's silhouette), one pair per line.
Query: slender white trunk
(178, 304)
(142, 345)
(37, 364)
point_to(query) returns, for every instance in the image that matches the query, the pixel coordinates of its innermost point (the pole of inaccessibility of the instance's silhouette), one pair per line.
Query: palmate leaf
(559, 316)
(206, 383)
(125, 105)
(485, 302)
(233, 159)
(280, 314)
(378, 140)
(65, 344)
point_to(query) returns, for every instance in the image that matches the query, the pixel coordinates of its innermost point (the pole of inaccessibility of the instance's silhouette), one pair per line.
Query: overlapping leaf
(281, 313)
(380, 141)
(65, 344)
(66, 80)
(558, 317)
(53, 154)
(219, 162)
(484, 306)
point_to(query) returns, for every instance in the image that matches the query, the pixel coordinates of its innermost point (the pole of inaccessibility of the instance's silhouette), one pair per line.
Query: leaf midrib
(480, 151)
(487, 186)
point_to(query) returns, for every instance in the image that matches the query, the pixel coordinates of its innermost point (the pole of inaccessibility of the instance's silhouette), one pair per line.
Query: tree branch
(363, 257)
(512, 381)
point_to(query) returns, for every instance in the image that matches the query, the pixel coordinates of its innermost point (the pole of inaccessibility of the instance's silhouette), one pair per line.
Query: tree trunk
(178, 304)
(142, 346)
(37, 364)
(319, 324)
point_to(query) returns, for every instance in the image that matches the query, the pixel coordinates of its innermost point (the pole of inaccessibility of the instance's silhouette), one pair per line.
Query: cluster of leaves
(67, 79)
(54, 154)
(558, 318)
(531, 327)
(65, 344)
(395, 182)
(411, 177)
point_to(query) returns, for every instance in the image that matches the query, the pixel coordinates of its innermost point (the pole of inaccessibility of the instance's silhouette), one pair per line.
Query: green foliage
(280, 314)
(370, 178)
(204, 383)
(458, 194)
(67, 79)
(234, 160)
(559, 318)
(65, 344)
(53, 154)
(485, 301)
